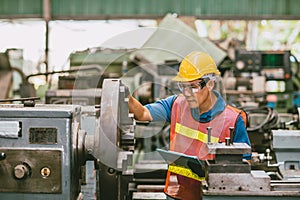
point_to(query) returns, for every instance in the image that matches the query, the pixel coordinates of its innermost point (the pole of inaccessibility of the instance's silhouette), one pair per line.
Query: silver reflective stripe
(9, 129)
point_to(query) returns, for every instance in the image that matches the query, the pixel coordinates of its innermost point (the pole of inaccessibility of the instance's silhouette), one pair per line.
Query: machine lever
(209, 135)
(231, 134)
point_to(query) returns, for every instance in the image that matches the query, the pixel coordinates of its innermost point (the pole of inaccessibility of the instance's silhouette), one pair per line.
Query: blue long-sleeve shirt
(161, 111)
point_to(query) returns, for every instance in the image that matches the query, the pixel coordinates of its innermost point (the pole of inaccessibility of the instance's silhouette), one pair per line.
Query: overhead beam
(152, 9)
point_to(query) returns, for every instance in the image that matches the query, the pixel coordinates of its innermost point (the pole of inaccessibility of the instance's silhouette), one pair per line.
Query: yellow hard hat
(194, 66)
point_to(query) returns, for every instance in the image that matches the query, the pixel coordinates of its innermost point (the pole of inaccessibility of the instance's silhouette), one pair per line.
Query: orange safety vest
(189, 136)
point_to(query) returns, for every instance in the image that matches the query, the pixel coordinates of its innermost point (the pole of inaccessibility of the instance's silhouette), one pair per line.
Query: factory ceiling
(149, 9)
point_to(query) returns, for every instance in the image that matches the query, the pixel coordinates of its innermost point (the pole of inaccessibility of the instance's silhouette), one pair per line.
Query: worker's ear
(210, 85)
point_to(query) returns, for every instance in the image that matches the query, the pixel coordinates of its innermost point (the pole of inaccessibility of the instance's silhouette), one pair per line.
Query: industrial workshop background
(65, 130)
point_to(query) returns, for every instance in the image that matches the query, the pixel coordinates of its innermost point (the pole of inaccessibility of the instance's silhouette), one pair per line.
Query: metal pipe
(47, 18)
(73, 69)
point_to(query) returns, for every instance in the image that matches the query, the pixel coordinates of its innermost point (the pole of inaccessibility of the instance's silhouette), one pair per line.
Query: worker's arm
(140, 112)
(241, 136)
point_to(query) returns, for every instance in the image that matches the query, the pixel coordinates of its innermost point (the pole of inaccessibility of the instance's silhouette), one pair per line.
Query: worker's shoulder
(240, 113)
(233, 108)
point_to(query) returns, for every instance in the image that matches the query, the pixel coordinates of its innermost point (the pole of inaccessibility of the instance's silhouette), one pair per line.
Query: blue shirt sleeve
(241, 135)
(161, 109)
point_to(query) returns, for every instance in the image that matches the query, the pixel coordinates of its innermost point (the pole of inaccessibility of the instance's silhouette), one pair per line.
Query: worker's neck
(208, 103)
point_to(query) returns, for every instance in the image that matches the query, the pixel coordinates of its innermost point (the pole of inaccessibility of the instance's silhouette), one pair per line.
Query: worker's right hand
(126, 91)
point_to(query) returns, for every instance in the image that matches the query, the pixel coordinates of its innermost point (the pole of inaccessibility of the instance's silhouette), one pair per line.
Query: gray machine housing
(38, 158)
(44, 148)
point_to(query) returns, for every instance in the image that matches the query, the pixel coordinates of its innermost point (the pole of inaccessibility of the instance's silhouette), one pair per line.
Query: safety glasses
(194, 86)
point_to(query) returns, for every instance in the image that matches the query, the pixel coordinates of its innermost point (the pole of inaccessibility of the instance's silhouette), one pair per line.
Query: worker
(190, 113)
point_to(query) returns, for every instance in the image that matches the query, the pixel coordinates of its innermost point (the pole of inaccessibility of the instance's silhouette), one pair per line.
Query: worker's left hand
(197, 169)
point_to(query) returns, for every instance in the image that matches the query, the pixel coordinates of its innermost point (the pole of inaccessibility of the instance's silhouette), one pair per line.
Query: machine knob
(21, 171)
(2, 156)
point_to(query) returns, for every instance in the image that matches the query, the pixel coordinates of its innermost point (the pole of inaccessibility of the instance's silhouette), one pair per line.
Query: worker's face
(196, 92)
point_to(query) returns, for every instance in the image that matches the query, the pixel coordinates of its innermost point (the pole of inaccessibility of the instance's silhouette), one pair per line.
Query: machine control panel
(274, 65)
(30, 170)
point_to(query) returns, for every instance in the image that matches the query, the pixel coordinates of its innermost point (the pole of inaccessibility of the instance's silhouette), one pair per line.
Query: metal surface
(149, 195)
(37, 165)
(235, 148)
(231, 165)
(43, 148)
(221, 181)
(6, 76)
(256, 181)
(34, 161)
(228, 159)
(115, 128)
(99, 56)
(82, 97)
(9, 129)
(287, 151)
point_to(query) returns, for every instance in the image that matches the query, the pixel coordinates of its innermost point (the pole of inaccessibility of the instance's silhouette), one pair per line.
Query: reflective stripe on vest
(194, 134)
(185, 172)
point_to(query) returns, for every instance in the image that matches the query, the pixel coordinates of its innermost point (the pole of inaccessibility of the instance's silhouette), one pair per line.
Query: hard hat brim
(179, 78)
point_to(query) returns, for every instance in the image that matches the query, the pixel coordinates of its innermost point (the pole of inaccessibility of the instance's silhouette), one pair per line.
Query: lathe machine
(42, 148)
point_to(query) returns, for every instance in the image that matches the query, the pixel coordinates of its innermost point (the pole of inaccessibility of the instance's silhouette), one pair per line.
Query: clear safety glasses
(193, 87)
